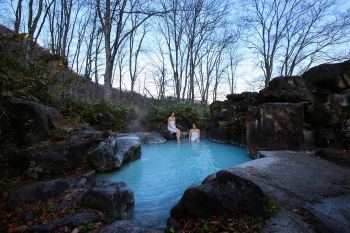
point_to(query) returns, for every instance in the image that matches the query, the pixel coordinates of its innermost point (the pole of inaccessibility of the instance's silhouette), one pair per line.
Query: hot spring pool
(165, 171)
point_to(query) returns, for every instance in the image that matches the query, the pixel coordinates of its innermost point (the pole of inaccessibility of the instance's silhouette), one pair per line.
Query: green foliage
(107, 116)
(68, 106)
(272, 207)
(20, 84)
(86, 226)
(186, 114)
(100, 114)
(156, 114)
(34, 171)
(51, 206)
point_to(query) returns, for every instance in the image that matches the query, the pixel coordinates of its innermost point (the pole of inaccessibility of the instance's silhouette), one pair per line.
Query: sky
(249, 75)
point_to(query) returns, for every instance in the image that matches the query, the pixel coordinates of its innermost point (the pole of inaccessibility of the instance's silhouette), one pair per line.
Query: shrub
(107, 116)
(185, 115)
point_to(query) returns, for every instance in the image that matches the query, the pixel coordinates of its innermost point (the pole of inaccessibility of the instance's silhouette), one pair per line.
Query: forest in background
(189, 49)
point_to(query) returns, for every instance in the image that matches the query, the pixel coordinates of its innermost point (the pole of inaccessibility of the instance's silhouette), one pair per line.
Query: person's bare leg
(178, 135)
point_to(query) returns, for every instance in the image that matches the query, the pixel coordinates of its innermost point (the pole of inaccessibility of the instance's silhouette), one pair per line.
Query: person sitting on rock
(195, 134)
(172, 126)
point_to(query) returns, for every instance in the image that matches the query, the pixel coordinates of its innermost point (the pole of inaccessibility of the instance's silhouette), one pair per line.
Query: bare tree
(34, 16)
(113, 17)
(267, 24)
(292, 34)
(83, 24)
(18, 19)
(135, 45)
(121, 63)
(205, 17)
(90, 43)
(172, 26)
(231, 72)
(311, 30)
(160, 73)
(62, 21)
(96, 59)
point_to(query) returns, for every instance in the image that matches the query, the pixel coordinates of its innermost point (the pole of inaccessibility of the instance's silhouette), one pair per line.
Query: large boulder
(248, 97)
(341, 157)
(154, 138)
(215, 109)
(125, 226)
(329, 121)
(85, 133)
(223, 194)
(221, 114)
(222, 110)
(32, 121)
(57, 158)
(286, 89)
(275, 126)
(334, 77)
(115, 199)
(228, 117)
(40, 191)
(112, 153)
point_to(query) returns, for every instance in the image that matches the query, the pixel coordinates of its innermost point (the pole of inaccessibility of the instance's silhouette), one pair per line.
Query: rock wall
(298, 112)
(275, 126)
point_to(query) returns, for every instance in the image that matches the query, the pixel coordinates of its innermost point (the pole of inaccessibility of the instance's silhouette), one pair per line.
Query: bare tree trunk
(32, 25)
(97, 52)
(18, 19)
(112, 19)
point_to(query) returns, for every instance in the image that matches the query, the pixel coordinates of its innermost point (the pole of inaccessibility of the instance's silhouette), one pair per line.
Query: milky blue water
(165, 171)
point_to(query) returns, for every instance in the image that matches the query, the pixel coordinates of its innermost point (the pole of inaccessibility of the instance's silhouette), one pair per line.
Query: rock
(225, 195)
(29, 216)
(287, 222)
(215, 132)
(75, 220)
(332, 212)
(215, 109)
(89, 174)
(222, 110)
(184, 134)
(275, 126)
(244, 96)
(154, 138)
(286, 89)
(58, 158)
(75, 194)
(33, 121)
(72, 221)
(40, 228)
(228, 118)
(334, 77)
(39, 191)
(125, 226)
(112, 153)
(293, 179)
(84, 133)
(116, 199)
(341, 157)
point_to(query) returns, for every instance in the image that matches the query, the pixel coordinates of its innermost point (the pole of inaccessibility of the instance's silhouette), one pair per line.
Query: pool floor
(164, 171)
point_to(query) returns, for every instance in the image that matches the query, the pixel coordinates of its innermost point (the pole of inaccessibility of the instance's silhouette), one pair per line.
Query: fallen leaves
(21, 228)
(221, 224)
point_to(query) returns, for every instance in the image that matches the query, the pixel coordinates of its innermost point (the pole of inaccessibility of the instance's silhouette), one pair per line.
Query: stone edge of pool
(296, 180)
